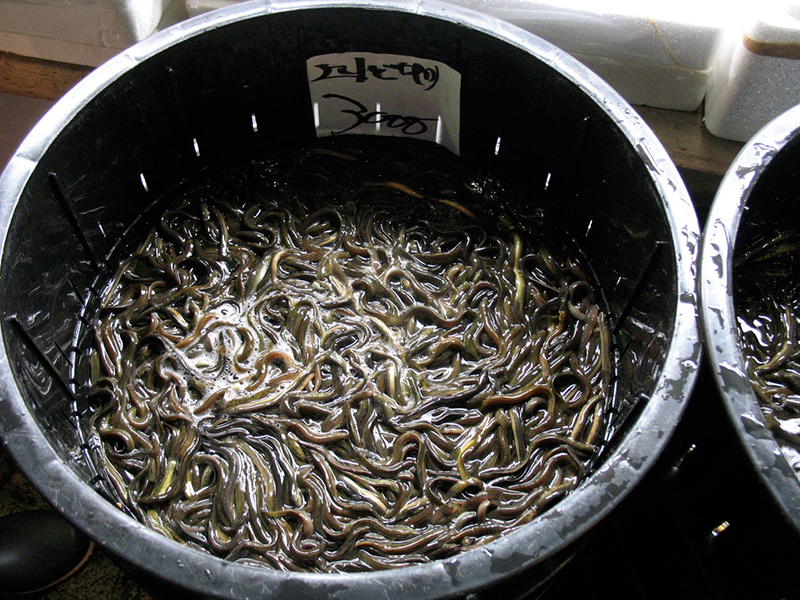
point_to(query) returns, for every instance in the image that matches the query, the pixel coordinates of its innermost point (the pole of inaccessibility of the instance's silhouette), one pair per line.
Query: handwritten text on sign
(385, 94)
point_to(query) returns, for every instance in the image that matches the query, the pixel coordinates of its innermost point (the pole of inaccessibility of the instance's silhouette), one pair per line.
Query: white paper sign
(385, 94)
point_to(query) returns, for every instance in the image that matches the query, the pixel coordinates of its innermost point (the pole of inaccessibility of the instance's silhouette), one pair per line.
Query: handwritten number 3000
(408, 125)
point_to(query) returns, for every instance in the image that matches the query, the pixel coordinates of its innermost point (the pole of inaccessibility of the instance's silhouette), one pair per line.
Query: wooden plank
(688, 142)
(38, 78)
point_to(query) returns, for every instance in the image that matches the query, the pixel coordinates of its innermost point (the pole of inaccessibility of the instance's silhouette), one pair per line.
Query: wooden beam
(38, 78)
(688, 142)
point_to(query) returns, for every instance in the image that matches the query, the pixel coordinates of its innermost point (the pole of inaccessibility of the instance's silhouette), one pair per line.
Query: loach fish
(362, 355)
(766, 284)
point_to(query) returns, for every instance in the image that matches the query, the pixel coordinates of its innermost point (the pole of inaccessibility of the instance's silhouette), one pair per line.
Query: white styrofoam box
(652, 52)
(644, 31)
(86, 32)
(672, 87)
(757, 72)
(197, 7)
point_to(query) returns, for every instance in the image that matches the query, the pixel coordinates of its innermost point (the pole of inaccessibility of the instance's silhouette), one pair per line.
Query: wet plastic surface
(38, 549)
(168, 107)
(659, 543)
(761, 186)
(701, 525)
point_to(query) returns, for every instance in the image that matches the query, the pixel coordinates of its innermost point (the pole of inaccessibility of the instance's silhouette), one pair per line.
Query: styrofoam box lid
(683, 33)
(775, 24)
(79, 31)
(653, 32)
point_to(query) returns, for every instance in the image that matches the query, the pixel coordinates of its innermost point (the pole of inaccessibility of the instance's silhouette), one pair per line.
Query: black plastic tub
(237, 81)
(760, 190)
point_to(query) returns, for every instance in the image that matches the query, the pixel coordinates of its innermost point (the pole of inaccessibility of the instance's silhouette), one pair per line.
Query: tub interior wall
(775, 194)
(136, 140)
